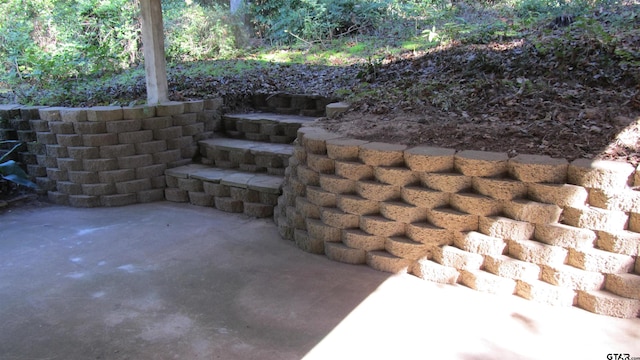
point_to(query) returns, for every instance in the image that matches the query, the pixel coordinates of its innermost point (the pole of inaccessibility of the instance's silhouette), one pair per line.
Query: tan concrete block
(257, 210)
(300, 154)
(570, 277)
(157, 182)
(135, 161)
(133, 186)
(69, 188)
(104, 113)
(475, 204)
(354, 204)
(151, 171)
(132, 125)
(382, 154)
(376, 191)
(446, 182)
(84, 201)
(452, 219)
(341, 253)
(358, 239)
(121, 175)
(634, 222)
(538, 169)
(542, 292)
(317, 196)
(69, 140)
(344, 149)
(50, 114)
(405, 248)
(167, 157)
(321, 163)
(116, 151)
(621, 242)
(595, 218)
(304, 242)
(383, 261)
(428, 234)
(429, 159)
(564, 236)
(170, 108)
(147, 196)
(89, 128)
(339, 219)
(605, 303)
(150, 147)
(536, 252)
(336, 184)
(228, 204)
(184, 119)
(138, 112)
(481, 163)
(314, 140)
(423, 197)
(176, 195)
(57, 151)
(160, 122)
(623, 199)
(193, 106)
(47, 161)
(395, 176)
(625, 285)
(307, 209)
(82, 177)
(511, 268)
(478, 243)
(308, 176)
(487, 282)
(319, 230)
(98, 189)
(73, 115)
(99, 164)
(378, 225)
(58, 198)
(99, 139)
(134, 137)
(56, 174)
(190, 185)
(200, 199)
(600, 261)
(456, 258)
(559, 194)
(118, 200)
(402, 212)
(172, 132)
(533, 212)
(500, 189)
(47, 138)
(60, 127)
(432, 271)
(600, 174)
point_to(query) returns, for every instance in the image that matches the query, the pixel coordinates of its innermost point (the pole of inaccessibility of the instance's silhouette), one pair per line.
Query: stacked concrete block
(533, 226)
(110, 155)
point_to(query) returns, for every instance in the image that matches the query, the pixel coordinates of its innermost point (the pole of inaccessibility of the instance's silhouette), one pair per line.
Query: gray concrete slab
(175, 281)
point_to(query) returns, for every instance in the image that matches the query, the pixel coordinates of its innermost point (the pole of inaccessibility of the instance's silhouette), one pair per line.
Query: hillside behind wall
(541, 228)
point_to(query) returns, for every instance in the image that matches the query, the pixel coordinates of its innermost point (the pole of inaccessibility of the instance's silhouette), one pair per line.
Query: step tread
(230, 177)
(282, 118)
(254, 147)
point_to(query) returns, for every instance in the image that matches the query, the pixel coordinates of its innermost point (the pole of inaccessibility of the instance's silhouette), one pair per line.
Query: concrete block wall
(541, 228)
(113, 156)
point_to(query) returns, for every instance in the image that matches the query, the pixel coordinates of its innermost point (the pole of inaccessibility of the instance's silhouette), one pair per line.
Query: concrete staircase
(241, 167)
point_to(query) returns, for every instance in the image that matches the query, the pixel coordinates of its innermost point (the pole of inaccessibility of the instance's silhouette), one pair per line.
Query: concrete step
(246, 155)
(606, 303)
(267, 127)
(228, 190)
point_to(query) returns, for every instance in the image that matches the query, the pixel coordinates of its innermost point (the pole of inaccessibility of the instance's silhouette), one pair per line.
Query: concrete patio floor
(175, 281)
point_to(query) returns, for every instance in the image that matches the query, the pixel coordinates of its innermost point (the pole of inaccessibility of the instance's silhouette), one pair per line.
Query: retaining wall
(108, 156)
(542, 228)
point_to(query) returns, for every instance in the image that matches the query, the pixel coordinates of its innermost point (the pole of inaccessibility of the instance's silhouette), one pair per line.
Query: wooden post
(155, 64)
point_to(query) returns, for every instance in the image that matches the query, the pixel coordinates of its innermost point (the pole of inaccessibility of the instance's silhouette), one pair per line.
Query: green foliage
(315, 20)
(11, 171)
(197, 32)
